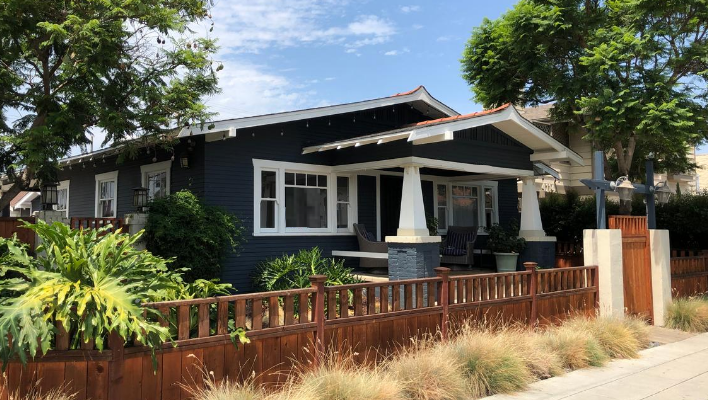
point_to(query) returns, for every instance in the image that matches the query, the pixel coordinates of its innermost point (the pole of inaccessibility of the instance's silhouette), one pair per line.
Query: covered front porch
(457, 172)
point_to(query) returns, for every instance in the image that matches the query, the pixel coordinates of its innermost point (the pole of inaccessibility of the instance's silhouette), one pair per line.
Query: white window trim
(280, 229)
(163, 166)
(65, 185)
(480, 185)
(108, 176)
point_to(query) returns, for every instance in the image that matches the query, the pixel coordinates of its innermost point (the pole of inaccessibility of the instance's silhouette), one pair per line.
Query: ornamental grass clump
(424, 375)
(339, 377)
(688, 314)
(576, 348)
(612, 335)
(542, 364)
(490, 364)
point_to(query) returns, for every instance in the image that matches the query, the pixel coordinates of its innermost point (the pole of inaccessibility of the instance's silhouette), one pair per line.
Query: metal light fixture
(140, 198)
(663, 192)
(624, 188)
(184, 160)
(49, 195)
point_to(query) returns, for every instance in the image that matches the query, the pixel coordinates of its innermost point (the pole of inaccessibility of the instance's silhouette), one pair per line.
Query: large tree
(630, 74)
(132, 68)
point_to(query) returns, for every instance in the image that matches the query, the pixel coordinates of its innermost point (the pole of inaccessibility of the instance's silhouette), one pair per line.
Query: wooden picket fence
(291, 327)
(10, 226)
(689, 273)
(95, 223)
(569, 254)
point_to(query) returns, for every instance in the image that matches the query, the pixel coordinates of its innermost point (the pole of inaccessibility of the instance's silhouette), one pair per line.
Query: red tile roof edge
(409, 92)
(466, 116)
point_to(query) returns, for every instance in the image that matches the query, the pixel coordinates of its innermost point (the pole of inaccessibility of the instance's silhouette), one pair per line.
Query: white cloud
(444, 38)
(249, 89)
(255, 25)
(417, 26)
(409, 9)
(329, 78)
(397, 52)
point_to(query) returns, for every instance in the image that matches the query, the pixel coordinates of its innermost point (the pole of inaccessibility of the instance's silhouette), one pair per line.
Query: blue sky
(288, 54)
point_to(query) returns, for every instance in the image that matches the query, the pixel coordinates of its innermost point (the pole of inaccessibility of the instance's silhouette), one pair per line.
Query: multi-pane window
(343, 204)
(268, 199)
(62, 197)
(488, 207)
(156, 184)
(465, 200)
(156, 178)
(305, 200)
(106, 189)
(442, 206)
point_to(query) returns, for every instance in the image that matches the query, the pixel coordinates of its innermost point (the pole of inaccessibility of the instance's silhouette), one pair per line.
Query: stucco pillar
(603, 247)
(412, 253)
(540, 248)
(531, 225)
(660, 273)
(135, 223)
(49, 216)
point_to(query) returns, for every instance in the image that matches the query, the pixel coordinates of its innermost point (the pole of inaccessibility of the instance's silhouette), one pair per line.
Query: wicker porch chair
(368, 243)
(458, 246)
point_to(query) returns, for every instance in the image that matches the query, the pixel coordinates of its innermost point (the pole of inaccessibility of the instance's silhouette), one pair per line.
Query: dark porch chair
(368, 243)
(458, 246)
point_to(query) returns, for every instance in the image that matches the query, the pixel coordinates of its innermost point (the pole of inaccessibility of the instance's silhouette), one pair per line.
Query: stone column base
(412, 260)
(135, 223)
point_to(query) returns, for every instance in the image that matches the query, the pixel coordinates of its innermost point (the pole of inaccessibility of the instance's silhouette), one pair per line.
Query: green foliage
(630, 75)
(130, 68)
(505, 240)
(432, 223)
(294, 271)
(196, 235)
(93, 282)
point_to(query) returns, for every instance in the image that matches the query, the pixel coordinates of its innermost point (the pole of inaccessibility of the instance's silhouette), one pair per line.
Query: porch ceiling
(505, 118)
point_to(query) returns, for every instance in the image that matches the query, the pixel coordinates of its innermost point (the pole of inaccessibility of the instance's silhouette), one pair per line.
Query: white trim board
(228, 128)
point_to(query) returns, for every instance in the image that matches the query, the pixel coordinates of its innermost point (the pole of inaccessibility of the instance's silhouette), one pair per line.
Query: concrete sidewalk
(673, 371)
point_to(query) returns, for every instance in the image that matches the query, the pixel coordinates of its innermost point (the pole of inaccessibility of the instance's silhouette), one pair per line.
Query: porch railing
(95, 223)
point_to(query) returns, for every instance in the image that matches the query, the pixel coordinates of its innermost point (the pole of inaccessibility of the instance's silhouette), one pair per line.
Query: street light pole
(651, 207)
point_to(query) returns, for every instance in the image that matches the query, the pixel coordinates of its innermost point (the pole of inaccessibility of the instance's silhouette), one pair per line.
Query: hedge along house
(301, 179)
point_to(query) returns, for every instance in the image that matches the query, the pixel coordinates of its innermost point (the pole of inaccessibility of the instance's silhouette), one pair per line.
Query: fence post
(115, 366)
(443, 299)
(531, 267)
(318, 314)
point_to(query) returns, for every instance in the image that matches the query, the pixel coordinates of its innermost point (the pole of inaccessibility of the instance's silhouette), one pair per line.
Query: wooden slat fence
(689, 275)
(95, 223)
(569, 254)
(13, 225)
(295, 326)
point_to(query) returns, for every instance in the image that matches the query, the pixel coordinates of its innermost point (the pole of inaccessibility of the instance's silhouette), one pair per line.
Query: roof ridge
(465, 116)
(409, 92)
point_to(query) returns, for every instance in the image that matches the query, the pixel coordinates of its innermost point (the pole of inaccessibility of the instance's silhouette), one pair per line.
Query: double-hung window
(301, 199)
(463, 204)
(106, 195)
(156, 178)
(63, 197)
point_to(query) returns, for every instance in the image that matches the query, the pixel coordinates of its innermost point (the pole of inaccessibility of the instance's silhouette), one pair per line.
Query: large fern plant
(92, 282)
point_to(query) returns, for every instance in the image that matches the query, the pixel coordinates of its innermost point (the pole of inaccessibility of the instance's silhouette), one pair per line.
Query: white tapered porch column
(412, 219)
(531, 224)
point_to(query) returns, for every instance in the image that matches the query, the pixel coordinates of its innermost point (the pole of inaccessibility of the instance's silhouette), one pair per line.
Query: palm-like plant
(93, 282)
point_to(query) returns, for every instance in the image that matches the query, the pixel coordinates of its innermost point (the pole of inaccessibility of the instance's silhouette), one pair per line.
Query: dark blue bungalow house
(302, 179)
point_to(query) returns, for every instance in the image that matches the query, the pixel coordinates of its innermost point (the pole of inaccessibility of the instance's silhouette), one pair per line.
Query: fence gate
(636, 264)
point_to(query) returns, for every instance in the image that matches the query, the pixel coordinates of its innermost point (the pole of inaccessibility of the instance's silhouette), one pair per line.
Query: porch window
(63, 197)
(106, 190)
(305, 200)
(488, 207)
(268, 199)
(343, 202)
(465, 200)
(156, 178)
(442, 206)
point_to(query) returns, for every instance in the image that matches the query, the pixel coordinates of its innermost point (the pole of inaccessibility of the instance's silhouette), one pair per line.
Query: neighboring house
(301, 179)
(569, 176)
(24, 204)
(702, 172)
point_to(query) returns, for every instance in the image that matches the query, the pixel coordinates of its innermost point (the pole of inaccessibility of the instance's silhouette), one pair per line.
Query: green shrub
(92, 281)
(196, 235)
(294, 271)
(688, 314)
(686, 218)
(505, 240)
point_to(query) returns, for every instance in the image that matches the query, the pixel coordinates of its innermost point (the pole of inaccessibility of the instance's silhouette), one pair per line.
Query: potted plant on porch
(505, 246)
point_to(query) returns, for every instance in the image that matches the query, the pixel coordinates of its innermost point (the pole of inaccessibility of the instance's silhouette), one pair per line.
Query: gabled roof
(505, 118)
(417, 97)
